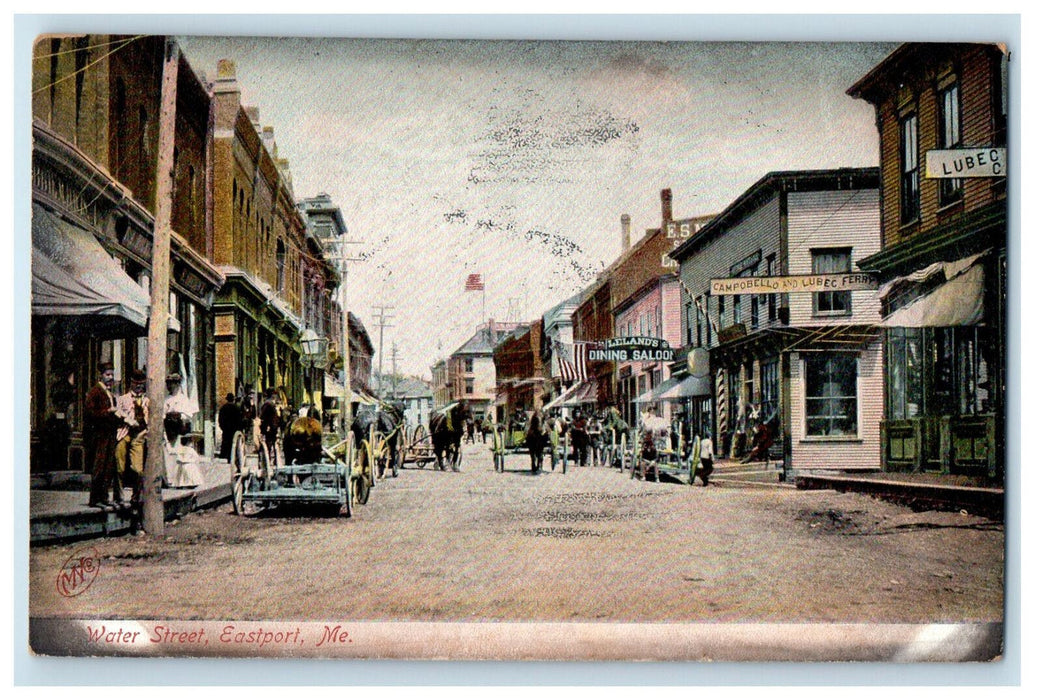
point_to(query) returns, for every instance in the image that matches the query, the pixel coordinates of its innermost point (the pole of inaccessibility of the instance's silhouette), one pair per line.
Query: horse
(303, 441)
(388, 419)
(446, 427)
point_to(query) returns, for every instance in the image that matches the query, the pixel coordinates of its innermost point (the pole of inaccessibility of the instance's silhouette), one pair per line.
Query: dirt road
(589, 545)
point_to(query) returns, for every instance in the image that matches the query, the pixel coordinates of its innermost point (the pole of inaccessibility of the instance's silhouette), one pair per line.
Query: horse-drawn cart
(419, 448)
(257, 482)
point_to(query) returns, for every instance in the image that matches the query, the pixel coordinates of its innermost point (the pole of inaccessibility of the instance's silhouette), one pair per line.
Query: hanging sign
(838, 282)
(632, 349)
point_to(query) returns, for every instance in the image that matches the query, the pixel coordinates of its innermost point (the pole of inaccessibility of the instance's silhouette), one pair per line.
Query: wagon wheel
(421, 445)
(238, 487)
(346, 484)
(237, 465)
(363, 479)
(264, 464)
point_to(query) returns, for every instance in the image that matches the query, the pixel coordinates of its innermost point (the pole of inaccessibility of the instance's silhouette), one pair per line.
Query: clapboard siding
(862, 454)
(834, 219)
(759, 231)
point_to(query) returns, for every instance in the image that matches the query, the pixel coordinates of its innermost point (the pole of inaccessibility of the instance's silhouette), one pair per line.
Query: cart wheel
(264, 463)
(345, 507)
(238, 486)
(363, 480)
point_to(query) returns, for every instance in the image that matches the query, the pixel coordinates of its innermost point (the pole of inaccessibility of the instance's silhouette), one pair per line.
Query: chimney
(226, 80)
(625, 232)
(667, 206)
(268, 137)
(254, 114)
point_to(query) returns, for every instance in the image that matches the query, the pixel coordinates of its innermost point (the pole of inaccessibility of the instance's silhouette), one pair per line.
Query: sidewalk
(58, 507)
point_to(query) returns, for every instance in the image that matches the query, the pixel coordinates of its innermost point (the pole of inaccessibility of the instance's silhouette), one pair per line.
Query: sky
(516, 160)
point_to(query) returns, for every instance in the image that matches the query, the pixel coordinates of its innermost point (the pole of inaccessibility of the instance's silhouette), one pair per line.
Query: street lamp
(315, 349)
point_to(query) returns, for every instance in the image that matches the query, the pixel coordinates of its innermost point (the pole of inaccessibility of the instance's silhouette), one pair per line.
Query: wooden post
(152, 493)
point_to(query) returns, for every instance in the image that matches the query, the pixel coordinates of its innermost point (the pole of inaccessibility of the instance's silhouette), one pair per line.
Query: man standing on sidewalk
(132, 407)
(100, 422)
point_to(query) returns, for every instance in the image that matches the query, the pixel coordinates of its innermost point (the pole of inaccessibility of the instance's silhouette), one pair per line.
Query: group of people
(115, 432)
(588, 435)
(262, 425)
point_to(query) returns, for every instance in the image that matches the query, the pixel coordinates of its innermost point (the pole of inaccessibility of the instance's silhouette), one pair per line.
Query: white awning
(687, 387)
(957, 302)
(564, 397)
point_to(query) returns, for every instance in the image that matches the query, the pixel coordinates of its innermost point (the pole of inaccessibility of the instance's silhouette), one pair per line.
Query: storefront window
(831, 395)
(973, 372)
(769, 390)
(906, 371)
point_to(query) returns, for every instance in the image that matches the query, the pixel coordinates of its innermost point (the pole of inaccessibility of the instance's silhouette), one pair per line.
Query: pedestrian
(250, 422)
(178, 410)
(761, 445)
(470, 429)
(100, 422)
(486, 428)
(229, 420)
(132, 407)
(580, 439)
(706, 459)
(270, 423)
(553, 434)
(535, 440)
(596, 433)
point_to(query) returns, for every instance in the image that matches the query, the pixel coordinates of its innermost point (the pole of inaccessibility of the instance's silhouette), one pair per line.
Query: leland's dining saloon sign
(632, 349)
(837, 282)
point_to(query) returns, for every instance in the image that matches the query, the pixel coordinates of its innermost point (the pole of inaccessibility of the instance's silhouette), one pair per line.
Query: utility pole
(394, 369)
(152, 492)
(381, 317)
(345, 339)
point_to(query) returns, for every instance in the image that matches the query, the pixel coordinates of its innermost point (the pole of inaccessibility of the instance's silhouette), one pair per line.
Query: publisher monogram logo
(78, 572)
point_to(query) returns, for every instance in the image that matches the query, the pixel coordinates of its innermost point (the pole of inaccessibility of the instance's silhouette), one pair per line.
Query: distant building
(519, 370)
(470, 372)
(417, 396)
(943, 262)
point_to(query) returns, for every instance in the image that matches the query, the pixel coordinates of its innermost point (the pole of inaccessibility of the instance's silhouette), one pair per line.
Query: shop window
(949, 135)
(973, 371)
(909, 168)
(831, 261)
(831, 386)
(905, 380)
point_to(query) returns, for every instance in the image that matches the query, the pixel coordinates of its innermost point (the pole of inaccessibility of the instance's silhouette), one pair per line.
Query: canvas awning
(575, 395)
(565, 396)
(678, 389)
(957, 301)
(335, 390)
(73, 275)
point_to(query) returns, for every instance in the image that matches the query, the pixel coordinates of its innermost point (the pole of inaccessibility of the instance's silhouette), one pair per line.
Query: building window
(949, 135)
(280, 266)
(772, 299)
(468, 386)
(754, 312)
(909, 168)
(468, 365)
(687, 323)
(831, 261)
(768, 390)
(905, 370)
(831, 395)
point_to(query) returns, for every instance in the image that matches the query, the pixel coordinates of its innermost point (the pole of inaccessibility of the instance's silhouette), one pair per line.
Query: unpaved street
(589, 545)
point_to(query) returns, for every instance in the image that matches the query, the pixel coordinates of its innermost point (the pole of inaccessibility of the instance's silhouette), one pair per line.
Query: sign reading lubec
(838, 282)
(632, 349)
(966, 162)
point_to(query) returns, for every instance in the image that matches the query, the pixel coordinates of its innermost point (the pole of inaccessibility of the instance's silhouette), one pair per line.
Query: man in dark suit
(229, 419)
(100, 423)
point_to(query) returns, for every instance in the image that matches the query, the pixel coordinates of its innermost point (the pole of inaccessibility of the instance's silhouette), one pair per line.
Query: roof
(911, 58)
(769, 185)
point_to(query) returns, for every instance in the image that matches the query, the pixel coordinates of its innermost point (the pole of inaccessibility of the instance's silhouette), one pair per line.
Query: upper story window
(828, 261)
(909, 168)
(949, 135)
(280, 266)
(468, 365)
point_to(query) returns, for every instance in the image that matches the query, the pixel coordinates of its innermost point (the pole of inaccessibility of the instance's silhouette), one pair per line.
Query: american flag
(573, 369)
(474, 283)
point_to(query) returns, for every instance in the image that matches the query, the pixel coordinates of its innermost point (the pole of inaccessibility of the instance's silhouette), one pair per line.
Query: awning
(575, 395)
(685, 388)
(958, 301)
(335, 390)
(73, 275)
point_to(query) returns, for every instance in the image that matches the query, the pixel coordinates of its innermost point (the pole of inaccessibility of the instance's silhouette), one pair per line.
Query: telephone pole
(345, 335)
(381, 317)
(394, 369)
(155, 465)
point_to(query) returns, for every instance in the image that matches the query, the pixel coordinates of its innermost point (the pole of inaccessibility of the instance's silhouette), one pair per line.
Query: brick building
(96, 107)
(942, 266)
